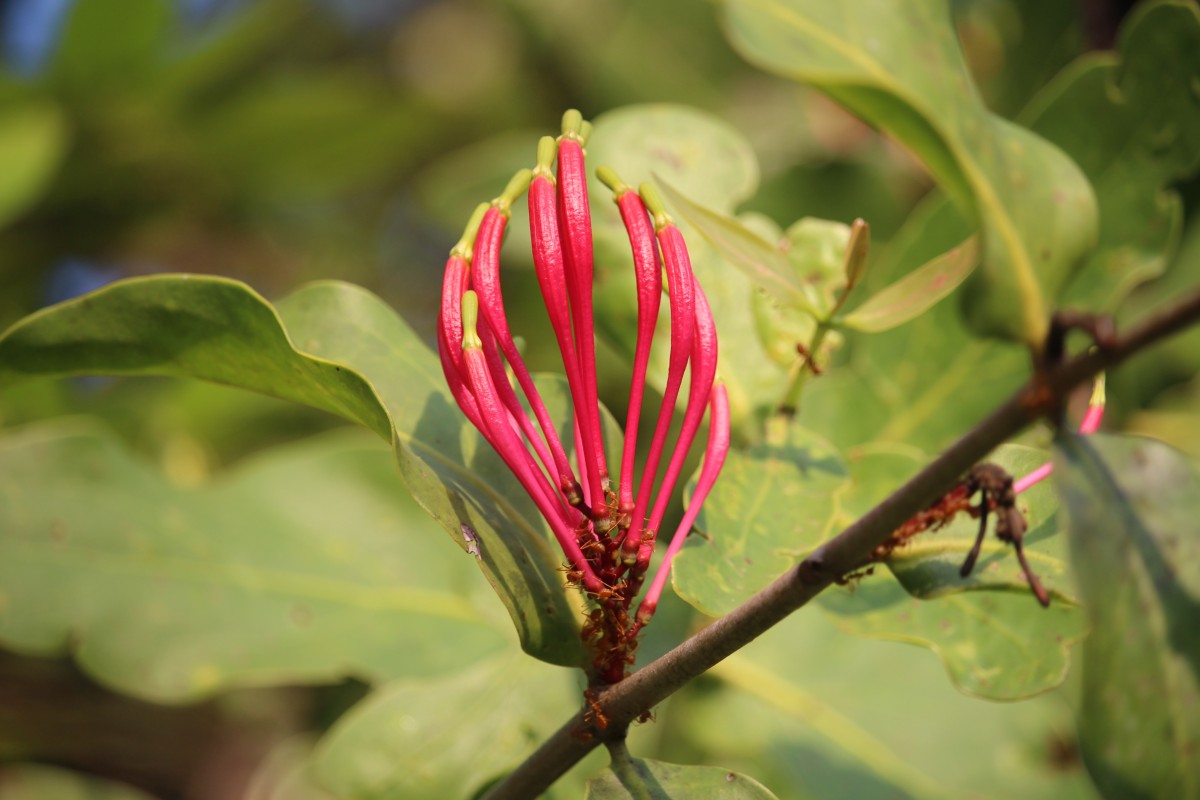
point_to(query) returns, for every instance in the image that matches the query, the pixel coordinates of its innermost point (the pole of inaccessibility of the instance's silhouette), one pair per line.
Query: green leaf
(831, 716)
(1131, 507)
(184, 326)
(337, 347)
(695, 152)
(915, 293)
(448, 736)
(32, 140)
(1035, 209)
(994, 645)
(1131, 120)
(771, 505)
(308, 564)
(39, 782)
(644, 779)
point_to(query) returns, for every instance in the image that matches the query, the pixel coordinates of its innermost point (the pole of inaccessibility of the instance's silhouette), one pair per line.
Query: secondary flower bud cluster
(607, 528)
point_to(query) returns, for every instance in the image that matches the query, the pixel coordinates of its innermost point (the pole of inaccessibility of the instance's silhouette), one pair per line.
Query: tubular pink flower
(518, 419)
(703, 371)
(504, 439)
(575, 230)
(552, 280)
(648, 274)
(680, 284)
(486, 282)
(455, 281)
(714, 459)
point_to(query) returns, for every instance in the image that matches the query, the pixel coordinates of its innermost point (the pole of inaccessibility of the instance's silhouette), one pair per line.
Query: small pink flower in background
(607, 530)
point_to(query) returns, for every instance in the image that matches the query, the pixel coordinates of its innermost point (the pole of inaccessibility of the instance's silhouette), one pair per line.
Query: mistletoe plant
(606, 535)
(860, 418)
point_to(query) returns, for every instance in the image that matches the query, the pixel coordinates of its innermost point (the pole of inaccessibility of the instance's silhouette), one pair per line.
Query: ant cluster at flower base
(606, 523)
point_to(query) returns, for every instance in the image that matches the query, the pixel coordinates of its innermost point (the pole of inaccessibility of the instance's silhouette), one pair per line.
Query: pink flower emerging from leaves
(607, 531)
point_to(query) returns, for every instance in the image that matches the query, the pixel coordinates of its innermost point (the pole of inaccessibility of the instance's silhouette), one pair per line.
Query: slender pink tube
(551, 275)
(575, 230)
(714, 458)
(455, 281)
(1090, 424)
(680, 284)
(647, 270)
(703, 371)
(486, 282)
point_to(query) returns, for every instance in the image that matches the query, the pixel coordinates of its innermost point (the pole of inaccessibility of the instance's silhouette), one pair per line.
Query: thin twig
(626, 701)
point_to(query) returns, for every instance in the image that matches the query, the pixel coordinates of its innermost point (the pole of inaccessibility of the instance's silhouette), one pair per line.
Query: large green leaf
(816, 714)
(343, 350)
(1035, 209)
(644, 779)
(772, 504)
(309, 564)
(185, 326)
(445, 737)
(1131, 121)
(1132, 506)
(994, 645)
(39, 782)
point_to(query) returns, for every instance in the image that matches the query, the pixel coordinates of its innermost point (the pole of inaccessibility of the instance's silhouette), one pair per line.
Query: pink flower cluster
(607, 530)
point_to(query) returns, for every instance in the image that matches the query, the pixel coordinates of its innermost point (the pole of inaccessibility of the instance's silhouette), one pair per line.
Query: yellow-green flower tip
(572, 123)
(470, 320)
(466, 244)
(609, 178)
(546, 151)
(515, 188)
(654, 204)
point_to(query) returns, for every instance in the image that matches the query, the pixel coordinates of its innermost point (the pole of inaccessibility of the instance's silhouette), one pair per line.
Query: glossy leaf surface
(306, 565)
(811, 712)
(408, 741)
(1131, 120)
(1131, 506)
(342, 350)
(771, 505)
(1035, 209)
